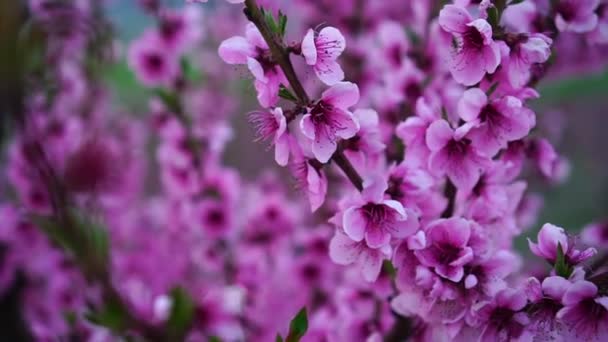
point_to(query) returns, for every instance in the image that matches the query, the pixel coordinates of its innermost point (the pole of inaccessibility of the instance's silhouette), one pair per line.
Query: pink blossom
(585, 312)
(273, 125)
(253, 51)
(453, 155)
(576, 15)
(596, 234)
(503, 318)
(329, 119)
(494, 122)
(377, 219)
(321, 52)
(549, 238)
(345, 251)
(311, 179)
(529, 50)
(152, 63)
(476, 52)
(447, 251)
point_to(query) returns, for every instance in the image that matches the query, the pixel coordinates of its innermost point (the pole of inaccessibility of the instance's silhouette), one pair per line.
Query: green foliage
(562, 268)
(277, 26)
(298, 326)
(287, 94)
(111, 315)
(389, 268)
(182, 312)
(85, 239)
(171, 100)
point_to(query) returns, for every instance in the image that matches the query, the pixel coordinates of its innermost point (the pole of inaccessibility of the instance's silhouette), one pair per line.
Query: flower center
(154, 62)
(458, 148)
(447, 253)
(375, 213)
(473, 38)
(567, 10)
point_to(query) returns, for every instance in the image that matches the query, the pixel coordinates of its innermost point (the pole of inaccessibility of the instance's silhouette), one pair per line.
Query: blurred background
(573, 109)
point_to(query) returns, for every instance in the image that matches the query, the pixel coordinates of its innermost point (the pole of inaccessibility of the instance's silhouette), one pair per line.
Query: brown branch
(277, 49)
(280, 53)
(340, 159)
(450, 193)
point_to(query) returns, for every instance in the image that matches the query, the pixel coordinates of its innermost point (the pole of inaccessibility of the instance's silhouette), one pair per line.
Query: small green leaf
(389, 268)
(515, 2)
(493, 17)
(492, 89)
(214, 339)
(170, 100)
(182, 311)
(112, 316)
(282, 24)
(54, 231)
(298, 326)
(189, 72)
(270, 21)
(287, 94)
(562, 269)
(278, 338)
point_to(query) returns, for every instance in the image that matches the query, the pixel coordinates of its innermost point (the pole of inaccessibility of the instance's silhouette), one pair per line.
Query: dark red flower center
(473, 38)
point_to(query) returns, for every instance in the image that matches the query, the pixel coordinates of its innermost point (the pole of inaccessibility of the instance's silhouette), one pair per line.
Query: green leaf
(298, 326)
(182, 312)
(170, 100)
(515, 2)
(214, 339)
(112, 316)
(287, 94)
(492, 89)
(282, 24)
(54, 231)
(389, 268)
(189, 72)
(270, 21)
(493, 17)
(562, 269)
(278, 338)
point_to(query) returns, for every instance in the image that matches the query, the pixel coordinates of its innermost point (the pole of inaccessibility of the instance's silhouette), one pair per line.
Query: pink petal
(307, 126)
(331, 43)
(323, 147)
(471, 103)
(373, 189)
(455, 231)
(345, 124)
(329, 71)
(256, 69)
(342, 95)
(376, 237)
(454, 18)
(464, 173)
(438, 135)
(236, 50)
(484, 28)
(468, 67)
(555, 287)
(491, 57)
(317, 187)
(354, 224)
(254, 36)
(370, 263)
(309, 50)
(343, 250)
(578, 292)
(281, 150)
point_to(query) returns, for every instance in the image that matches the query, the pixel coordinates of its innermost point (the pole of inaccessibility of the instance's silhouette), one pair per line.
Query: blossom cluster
(409, 130)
